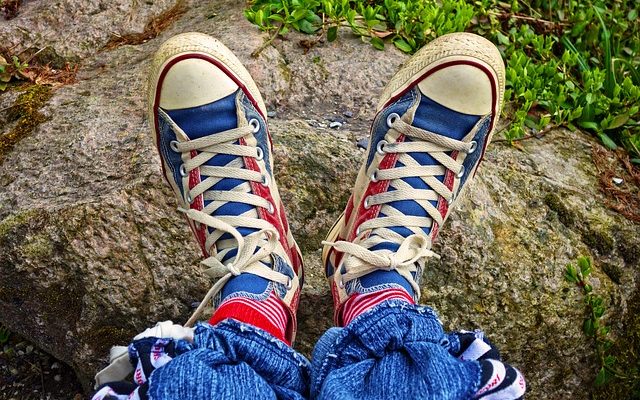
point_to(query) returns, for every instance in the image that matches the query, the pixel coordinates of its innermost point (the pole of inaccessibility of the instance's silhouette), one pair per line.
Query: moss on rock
(8, 224)
(565, 216)
(613, 272)
(26, 111)
(598, 239)
(628, 244)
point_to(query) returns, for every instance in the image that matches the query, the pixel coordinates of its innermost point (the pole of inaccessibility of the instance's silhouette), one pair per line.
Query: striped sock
(269, 315)
(359, 303)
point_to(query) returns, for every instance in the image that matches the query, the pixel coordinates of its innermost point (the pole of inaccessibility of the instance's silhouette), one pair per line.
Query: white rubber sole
(332, 236)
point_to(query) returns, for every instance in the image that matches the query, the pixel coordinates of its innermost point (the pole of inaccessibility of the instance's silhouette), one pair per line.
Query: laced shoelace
(251, 249)
(414, 249)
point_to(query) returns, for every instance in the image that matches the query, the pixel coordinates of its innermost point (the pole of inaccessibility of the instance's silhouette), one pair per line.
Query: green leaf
(4, 332)
(610, 360)
(402, 45)
(633, 15)
(502, 38)
(259, 17)
(606, 140)
(377, 43)
(571, 275)
(601, 378)
(585, 266)
(306, 26)
(589, 125)
(332, 33)
(587, 327)
(299, 14)
(618, 121)
(635, 161)
(276, 17)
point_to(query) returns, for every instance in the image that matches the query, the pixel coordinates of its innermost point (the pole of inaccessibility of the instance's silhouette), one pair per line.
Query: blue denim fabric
(232, 361)
(395, 350)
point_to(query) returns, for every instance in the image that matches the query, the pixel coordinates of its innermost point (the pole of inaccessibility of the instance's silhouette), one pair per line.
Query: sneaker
(209, 124)
(434, 121)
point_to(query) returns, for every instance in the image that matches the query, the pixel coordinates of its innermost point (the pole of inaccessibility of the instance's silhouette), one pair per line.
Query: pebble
(55, 365)
(57, 378)
(348, 114)
(335, 118)
(363, 143)
(617, 181)
(195, 304)
(271, 114)
(29, 349)
(335, 125)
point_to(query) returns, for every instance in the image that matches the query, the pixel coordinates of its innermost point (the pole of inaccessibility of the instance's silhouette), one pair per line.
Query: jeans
(395, 350)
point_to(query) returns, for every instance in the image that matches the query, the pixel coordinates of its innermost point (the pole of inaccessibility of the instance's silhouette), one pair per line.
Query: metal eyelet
(461, 173)
(265, 181)
(366, 203)
(183, 171)
(380, 147)
(474, 146)
(374, 176)
(391, 119)
(255, 124)
(189, 198)
(358, 231)
(271, 208)
(289, 284)
(452, 198)
(174, 146)
(341, 283)
(259, 154)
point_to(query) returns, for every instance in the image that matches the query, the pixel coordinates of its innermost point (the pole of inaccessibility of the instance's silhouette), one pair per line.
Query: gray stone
(92, 250)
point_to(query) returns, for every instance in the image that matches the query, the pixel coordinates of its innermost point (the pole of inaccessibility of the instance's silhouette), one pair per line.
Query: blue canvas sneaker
(434, 121)
(209, 124)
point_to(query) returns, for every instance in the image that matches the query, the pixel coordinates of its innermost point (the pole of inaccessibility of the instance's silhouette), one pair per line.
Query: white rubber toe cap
(462, 88)
(194, 82)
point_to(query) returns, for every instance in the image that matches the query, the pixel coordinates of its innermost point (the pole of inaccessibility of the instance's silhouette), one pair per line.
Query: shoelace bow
(415, 248)
(252, 248)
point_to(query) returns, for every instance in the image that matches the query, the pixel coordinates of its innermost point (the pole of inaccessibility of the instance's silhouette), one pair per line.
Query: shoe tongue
(439, 119)
(197, 122)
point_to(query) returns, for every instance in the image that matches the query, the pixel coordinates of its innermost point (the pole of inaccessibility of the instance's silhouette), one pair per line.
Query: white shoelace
(251, 249)
(414, 249)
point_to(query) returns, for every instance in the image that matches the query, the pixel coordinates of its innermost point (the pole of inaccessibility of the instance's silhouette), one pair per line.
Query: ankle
(270, 314)
(360, 303)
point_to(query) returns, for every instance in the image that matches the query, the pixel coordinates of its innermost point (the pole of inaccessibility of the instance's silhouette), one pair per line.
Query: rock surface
(92, 250)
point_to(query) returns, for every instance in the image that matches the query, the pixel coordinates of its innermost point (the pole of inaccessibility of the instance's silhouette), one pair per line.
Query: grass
(569, 63)
(610, 370)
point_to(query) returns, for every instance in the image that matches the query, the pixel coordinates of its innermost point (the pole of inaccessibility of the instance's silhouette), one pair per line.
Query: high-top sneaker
(209, 124)
(434, 121)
